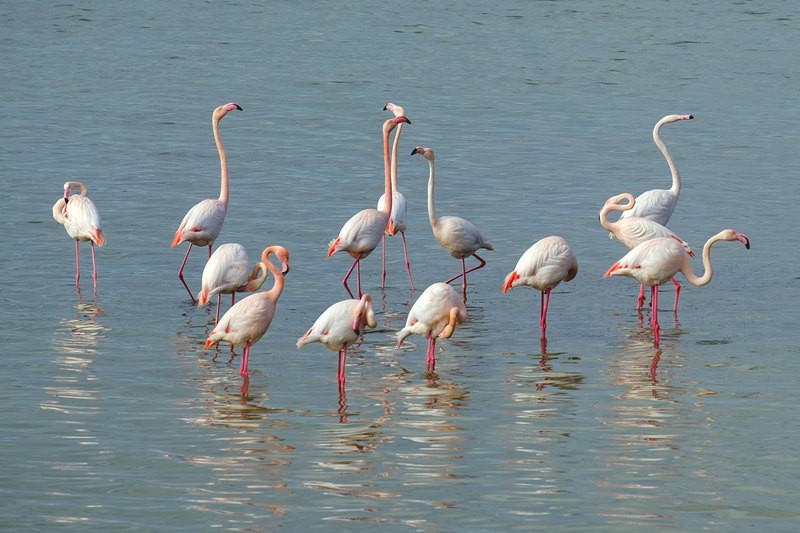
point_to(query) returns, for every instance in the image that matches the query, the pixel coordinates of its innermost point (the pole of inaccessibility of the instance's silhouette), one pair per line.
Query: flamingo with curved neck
(203, 222)
(361, 234)
(655, 261)
(658, 204)
(82, 222)
(458, 236)
(632, 231)
(249, 319)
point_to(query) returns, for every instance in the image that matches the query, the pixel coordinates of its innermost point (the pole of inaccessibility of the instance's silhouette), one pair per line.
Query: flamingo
(339, 326)
(226, 272)
(458, 236)
(397, 218)
(655, 261)
(658, 204)
(632, 231)
(361, 234)
(436, 313)
(543, 266)
(203, 222)
(82, 222)
(249, 318)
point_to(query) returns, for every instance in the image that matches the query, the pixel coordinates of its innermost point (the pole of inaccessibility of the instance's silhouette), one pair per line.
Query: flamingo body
(82, 222)
(339, 326)
(436, 313)
(225, 272)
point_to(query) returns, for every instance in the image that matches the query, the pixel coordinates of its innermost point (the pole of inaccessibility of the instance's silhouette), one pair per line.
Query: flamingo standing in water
(249, 318)
(399, 215)
(632, 231)
(339, 326)
(655, 261)
(458, 236)
(543, 266)
(226, 272)
(203, 222)
(436, 313)
(82, 222)
(658, 204)
(361, 234)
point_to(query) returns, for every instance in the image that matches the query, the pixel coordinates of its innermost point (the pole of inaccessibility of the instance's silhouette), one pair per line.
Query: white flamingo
(655, 261)
(435, 314)
(82, 222)
(339, 326)
(249, 318)
(361, 234)
(203, 222)
(399, 215)
(458, 236)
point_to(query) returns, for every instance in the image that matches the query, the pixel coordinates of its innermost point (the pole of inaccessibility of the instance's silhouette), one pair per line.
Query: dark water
(114, 417)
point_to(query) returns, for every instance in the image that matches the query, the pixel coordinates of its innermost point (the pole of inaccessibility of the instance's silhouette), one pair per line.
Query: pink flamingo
(655, 261)
(632, 231)
(658, 204)
(361, 234)
(543, 266)
(339, 326)
(226, 272)
(399, 215)
(459, 237)
(436, 313)
(249, 318)
(81, 220)
(203, 222)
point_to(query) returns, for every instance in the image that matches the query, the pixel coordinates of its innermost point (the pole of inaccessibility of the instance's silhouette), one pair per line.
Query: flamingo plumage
(82, 222)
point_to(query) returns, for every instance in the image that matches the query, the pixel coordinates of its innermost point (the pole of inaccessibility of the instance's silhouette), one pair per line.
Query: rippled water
(114, 416)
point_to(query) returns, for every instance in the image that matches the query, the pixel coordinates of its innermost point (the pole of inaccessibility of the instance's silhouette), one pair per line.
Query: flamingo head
(396, 109)
(732, 235)
(427, 153)
(281, 253)
(223, 110)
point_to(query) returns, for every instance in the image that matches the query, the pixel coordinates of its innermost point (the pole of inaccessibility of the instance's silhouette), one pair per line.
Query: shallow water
(115, 418)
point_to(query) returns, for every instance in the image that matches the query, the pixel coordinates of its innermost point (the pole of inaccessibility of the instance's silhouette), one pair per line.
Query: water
(115, 418)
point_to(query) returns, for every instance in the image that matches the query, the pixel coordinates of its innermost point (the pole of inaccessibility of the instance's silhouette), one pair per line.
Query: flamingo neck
(223, 162)
(690, 276)
(387, 172)
(257, 277)
(431, 203)
(395, 144)
(613, 204)
(277, 287)
(673, 168)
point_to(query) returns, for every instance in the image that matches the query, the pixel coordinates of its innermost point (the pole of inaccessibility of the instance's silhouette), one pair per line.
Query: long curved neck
(257, 277)
(431, 203)
(673, 168)
(690, 276)
(613, 204)
(277, 287)
(223, 162)
(387, 172)
(395, 144)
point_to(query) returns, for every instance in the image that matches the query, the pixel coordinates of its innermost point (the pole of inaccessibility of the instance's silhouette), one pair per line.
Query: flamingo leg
(358, 280)
(77, 264)
(94, 268)
(408, 263)
(640, 300)
(464, 273)
(383, 261)
(677, 293)
(180, 271)
(245, 359)
(344, 281)
(543, 311)
(219, 304)
(654, 319)
(341, 366)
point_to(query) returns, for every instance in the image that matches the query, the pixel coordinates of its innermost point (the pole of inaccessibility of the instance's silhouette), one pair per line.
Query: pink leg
(464, 273)
(344, 281)
(430, 355)
(640, 300)
(408, 263)
(219, 304)
(245, 359)
(341, 366)
(383, 261)
(358, 280)
(543, 311)
(180, 272)
(94, 268)
(654, 319)
(677, 293)
(77, 264)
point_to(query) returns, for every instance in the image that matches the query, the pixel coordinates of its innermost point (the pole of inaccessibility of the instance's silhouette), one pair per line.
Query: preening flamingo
(361, 234)
(435, 314)
(655, 261)
(543, 266)
(82, 222)
(658, 204)
(399, 215)
(459, 237)
(203, 222)
(339, 326)
(228, 272)
(632, 231)
(249, 318)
